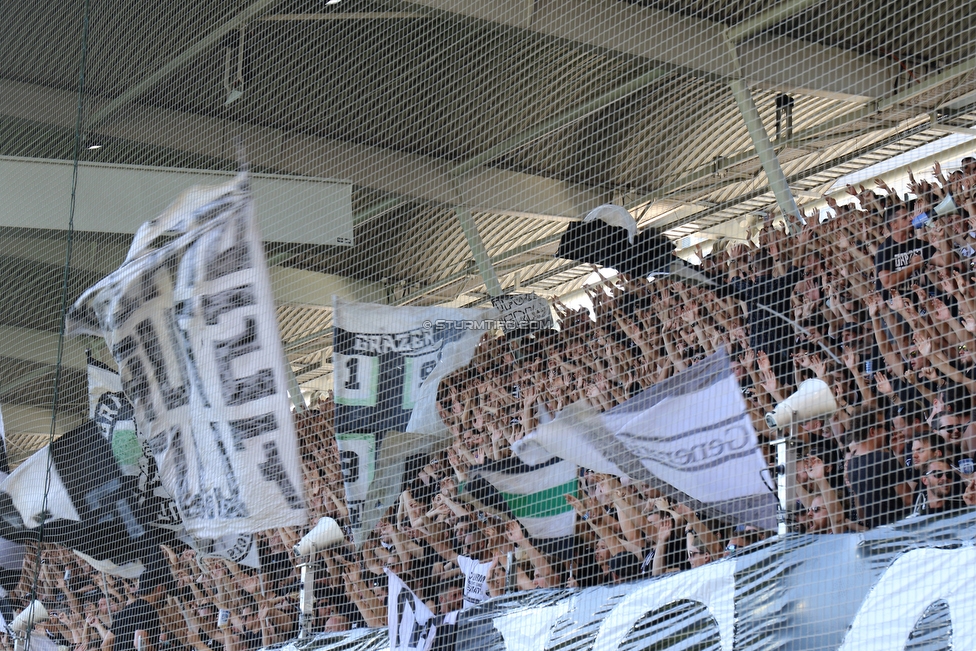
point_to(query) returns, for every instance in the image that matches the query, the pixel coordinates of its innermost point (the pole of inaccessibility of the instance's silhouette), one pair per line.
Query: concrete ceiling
(527, 113)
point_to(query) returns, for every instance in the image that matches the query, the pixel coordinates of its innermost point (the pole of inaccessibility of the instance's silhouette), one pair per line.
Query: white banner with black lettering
(192, 326)
(112, 412)
(523, 312)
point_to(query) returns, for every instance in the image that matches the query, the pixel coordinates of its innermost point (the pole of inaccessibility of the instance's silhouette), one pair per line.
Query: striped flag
(534, 493)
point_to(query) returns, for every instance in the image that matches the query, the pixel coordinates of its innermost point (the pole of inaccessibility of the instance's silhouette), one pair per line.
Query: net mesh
(500, 325)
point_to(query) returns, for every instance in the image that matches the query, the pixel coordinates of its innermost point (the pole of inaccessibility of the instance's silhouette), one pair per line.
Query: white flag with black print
(689, 436)
(112, 412)
(191, 323)
(412, 624)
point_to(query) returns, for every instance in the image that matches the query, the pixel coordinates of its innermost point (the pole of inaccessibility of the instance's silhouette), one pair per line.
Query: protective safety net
(487, 324)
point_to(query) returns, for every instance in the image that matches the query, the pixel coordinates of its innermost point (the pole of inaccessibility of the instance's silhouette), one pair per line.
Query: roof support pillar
(478, 250)
(760, 140)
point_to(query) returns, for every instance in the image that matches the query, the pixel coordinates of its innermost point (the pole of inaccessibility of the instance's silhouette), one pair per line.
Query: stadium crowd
(879, 302)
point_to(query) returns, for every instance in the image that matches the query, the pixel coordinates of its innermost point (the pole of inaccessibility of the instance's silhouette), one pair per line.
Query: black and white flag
(113, 414)
(412, 624)
(86, 507)
(190, 320)
(388, 364)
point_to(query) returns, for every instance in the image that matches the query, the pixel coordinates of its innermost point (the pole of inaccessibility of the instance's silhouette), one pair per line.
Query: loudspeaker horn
(813, 399)
(33, 614)
(324, 534)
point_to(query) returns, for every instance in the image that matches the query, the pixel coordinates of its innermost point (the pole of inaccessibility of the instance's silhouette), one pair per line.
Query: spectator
(881, 311)
(942, 491)
(873, 475)
(901, 256)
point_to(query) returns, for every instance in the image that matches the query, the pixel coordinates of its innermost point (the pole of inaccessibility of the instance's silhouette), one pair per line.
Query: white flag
(689, 435)
(25, 485)
(411, 623)
(192, 326)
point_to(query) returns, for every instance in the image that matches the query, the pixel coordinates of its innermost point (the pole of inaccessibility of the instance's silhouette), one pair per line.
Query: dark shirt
(873, 478)
(252, 641)
(137, 616)
(923, 507)
(894, 256)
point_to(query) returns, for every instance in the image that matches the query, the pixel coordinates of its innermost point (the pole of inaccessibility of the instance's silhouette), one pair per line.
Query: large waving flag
(689, 436)
(534, 493)
(191, 322)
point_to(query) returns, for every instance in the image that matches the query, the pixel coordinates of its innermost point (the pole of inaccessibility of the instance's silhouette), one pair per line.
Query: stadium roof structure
(472, 131)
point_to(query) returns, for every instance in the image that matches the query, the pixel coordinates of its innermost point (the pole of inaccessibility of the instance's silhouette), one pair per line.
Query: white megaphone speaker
(813, 399)
(324, 534)
(33, 614)
(946, 206)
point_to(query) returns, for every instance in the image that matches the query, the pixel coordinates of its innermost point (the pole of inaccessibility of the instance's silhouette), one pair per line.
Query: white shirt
(475, 580)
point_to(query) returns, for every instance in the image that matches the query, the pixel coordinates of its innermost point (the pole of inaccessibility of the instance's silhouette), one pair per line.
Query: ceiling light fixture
(93, 141)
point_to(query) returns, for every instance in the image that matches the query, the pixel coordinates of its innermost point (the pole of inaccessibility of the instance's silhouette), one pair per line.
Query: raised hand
(765, 366)
(969, 495)
(969, 323)
(923, 344)
(513, 531)
(897, 302)
(663, 533)
(575, 503)
(874, 303)
(849, 358)
(929, 373)
(815, 468)
(883, 383)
